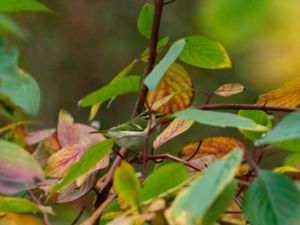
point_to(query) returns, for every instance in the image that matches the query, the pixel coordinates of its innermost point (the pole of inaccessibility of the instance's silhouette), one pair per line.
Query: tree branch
(139, 103)
(176, 159)
(93, 219)
(152, 56)
(248, 106)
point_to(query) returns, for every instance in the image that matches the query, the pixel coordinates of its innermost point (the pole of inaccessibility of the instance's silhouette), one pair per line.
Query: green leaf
(21, 205)
(204, 53)
(157, 73)
(192, 205)
(272, 199)
(220, 204)
(112, 209)
(17, 205)
(22, 5)
(292, 159)
(163, 180)
(286, 134)
(120, 76)
(88, 160)
(27, 95)
(125, 71)
(127, 185)
(145, 20)
(19, 170)
(9, 26)
(259, 117)
(219, 119)
(120, 86)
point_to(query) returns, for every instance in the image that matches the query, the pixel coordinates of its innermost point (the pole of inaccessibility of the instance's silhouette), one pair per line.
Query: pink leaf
(38, 136)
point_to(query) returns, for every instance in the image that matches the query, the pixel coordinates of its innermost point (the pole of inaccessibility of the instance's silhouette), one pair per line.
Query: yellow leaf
(175, 128)
(93, 111)
(290, 171)
(19, 219)
(176, 83)
(288, 95)
(227, 90)
(217, 146)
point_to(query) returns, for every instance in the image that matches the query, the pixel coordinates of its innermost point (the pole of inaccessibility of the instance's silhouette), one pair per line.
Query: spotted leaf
(176, 85)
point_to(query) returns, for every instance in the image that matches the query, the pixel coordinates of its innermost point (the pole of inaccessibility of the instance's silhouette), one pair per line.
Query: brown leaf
(227, 90)
(287, 96)
(217, 146)
(67, 133)
(177, 84)
(175, 128)
(74, 192)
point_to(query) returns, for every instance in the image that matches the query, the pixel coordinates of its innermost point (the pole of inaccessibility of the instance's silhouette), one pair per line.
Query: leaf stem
(174, 158)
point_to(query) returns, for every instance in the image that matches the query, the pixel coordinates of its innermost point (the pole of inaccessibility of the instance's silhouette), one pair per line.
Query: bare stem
(93, 219)
(138, 106)
(174, 158)
(247, 106)
(38, 202)
(152, 56)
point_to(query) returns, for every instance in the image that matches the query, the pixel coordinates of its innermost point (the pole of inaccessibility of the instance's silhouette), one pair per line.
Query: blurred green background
(85, 43)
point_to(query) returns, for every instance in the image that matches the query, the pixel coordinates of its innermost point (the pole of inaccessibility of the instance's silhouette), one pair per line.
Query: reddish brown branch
(93, 219)
(152, 56)
(247, 106)
(176, 159)
(139, 103)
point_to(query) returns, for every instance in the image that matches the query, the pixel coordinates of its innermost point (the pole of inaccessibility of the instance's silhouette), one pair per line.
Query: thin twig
(233, 212)
(247, 106)
(79, 215)
(38, 202)
(174, 158)
(195, 152)
(148, 133)
(251, 162)
(92, 220)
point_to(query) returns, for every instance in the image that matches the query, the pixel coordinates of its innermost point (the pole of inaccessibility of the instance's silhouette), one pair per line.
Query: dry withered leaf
(217, 146)
(227, 90)
(176, 83)
(175, 128)
(288, 95)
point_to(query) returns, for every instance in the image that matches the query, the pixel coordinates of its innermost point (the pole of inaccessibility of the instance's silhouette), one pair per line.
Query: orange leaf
(227, 90)
(175, 128)
(217, 146)
(288, 95)
(176, 83)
